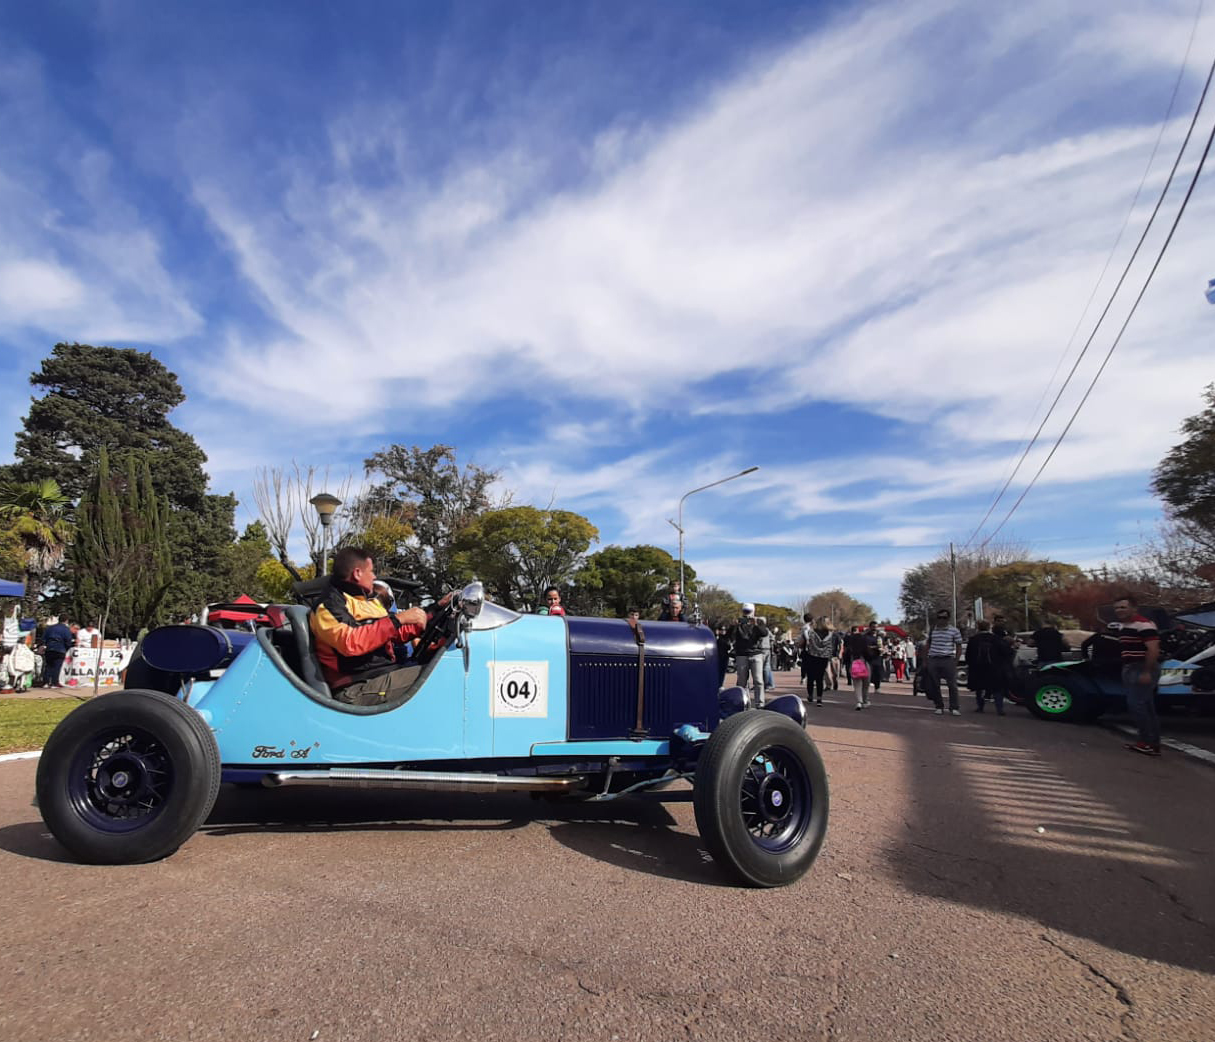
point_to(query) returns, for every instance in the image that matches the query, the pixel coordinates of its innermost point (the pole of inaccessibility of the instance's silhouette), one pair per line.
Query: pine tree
(121, 555)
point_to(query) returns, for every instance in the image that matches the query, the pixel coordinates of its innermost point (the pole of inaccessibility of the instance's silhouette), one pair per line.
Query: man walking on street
(748, 637)
(1140, 644)
(944, 642)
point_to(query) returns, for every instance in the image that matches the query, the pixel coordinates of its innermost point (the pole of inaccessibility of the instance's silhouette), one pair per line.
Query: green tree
(930, 586)
(12, 556)
(1000, 588)
(118, 398)
(200, 542)
(1182, 556)
(841, 608)
(386, 537)
(1185, 478)
(518, 551)
(780, 618)
(242, 563)
(35, 513)
(427, 489)
(120, 555)
(718, 606)
(617, 579)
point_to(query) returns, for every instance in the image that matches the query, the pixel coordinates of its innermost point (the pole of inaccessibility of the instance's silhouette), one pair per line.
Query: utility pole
(953, 572)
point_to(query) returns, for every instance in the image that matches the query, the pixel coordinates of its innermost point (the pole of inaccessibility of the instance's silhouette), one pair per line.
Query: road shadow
(1055, 823)
(635, 832)
(31, 839)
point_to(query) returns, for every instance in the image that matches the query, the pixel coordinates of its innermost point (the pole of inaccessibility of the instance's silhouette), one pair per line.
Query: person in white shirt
(88, 637)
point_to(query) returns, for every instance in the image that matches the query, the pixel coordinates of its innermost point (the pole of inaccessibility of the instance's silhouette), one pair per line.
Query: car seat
(300, 650)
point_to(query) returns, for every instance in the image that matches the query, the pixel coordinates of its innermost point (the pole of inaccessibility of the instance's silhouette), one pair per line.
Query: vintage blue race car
(579, 707)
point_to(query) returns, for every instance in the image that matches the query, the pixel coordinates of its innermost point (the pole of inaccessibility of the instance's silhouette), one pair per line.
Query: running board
(425, 781)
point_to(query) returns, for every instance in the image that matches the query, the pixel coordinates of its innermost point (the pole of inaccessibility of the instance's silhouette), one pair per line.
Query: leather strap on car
(639, 731)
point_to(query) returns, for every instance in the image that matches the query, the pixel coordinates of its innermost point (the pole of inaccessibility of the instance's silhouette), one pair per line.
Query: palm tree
(36, 512)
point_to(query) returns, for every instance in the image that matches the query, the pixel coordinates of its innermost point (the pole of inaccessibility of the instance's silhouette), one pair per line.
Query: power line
(1109, 354)
(1168, 112)
(1122, 278)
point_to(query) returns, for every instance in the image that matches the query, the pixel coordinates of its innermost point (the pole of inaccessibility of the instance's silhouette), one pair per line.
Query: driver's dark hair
(1128, 597)
(347, 559)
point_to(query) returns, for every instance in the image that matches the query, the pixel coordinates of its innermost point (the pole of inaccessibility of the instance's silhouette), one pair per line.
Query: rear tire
(761, 799)
(128, 777)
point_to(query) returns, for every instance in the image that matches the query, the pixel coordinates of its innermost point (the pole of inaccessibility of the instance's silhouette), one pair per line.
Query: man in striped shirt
(944, 642)
(1140, 645)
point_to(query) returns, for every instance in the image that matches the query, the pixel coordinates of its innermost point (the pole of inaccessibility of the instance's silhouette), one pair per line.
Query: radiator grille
(604, 702)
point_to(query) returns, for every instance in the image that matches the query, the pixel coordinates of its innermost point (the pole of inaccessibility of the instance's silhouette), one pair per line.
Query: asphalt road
(937, 910)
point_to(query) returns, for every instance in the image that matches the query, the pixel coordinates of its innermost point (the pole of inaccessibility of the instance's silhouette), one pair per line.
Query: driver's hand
(445, 600)
(411, 617)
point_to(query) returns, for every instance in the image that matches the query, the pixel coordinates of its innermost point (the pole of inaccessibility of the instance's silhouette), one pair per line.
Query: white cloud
(900, 213)
(78, 259)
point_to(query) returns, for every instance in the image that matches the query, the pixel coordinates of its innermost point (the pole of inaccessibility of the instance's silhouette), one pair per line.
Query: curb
(7, 757)
(1193, 751)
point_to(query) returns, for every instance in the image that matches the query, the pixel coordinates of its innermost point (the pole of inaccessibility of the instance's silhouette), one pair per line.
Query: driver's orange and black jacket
(355, 635)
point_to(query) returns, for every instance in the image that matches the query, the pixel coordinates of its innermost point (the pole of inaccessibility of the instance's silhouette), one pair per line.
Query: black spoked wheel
(128, 777)
(761, 799)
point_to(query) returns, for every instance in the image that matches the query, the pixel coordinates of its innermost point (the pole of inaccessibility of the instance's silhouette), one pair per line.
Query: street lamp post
(679, 526)
(325, 506)
(1024, 584)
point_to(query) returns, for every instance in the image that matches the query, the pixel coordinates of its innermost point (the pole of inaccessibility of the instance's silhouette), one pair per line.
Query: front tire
(128, 777)
(761, 800)
(1053, 700)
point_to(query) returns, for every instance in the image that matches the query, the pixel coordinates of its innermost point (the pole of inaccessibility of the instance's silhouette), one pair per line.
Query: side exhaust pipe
(423, 781)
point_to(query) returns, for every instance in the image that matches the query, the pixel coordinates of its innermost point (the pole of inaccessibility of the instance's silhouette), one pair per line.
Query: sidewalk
(82, 691)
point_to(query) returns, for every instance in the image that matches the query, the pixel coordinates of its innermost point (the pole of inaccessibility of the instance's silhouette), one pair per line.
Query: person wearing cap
(748, 636)
(944, 643)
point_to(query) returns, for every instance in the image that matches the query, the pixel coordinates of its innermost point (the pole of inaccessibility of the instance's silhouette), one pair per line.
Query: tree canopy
(841, 608)
(428, 490)
(1001, 588)
(1185, 478)
(120, 556)
(34, 518)
(518, 551)
(618, 579)
(119, 398)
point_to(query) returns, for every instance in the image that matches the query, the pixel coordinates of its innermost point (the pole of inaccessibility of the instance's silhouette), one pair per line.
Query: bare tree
(283, 496)
(274, 494)
(307, 485)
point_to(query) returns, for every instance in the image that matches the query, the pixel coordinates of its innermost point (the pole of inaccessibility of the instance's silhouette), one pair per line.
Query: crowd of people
(36, 656)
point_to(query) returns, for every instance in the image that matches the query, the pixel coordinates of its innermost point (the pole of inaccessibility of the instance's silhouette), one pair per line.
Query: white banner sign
(82, 663)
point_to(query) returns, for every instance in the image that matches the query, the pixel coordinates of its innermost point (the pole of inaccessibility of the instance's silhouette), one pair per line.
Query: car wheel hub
(775, 799)
(121, 780)
(1054, 699)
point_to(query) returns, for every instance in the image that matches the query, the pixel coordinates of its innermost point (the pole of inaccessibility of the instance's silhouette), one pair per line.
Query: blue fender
(788, 705)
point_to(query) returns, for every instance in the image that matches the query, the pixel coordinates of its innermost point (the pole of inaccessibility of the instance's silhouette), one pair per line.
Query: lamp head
(325, 506)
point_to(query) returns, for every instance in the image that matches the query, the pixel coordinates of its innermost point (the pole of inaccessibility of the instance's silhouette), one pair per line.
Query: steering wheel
(437, 627)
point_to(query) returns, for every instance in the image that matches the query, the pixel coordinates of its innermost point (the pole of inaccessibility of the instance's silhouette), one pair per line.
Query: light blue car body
(260, 718)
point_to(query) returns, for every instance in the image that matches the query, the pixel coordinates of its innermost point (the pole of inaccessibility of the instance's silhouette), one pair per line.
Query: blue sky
(619, 250)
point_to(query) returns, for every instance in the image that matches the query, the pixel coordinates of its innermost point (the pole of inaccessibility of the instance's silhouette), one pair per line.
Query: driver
(355, 634)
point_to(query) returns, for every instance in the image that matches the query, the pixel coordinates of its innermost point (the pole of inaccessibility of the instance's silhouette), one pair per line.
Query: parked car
(584, 708)
(1083, 690)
